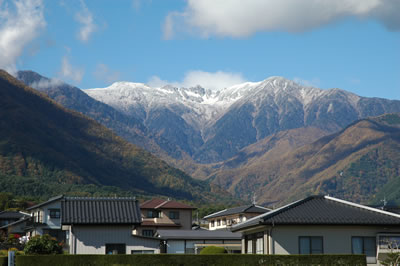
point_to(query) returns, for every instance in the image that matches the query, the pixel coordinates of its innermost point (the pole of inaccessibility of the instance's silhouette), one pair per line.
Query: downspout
(271, 240)
(73, 238)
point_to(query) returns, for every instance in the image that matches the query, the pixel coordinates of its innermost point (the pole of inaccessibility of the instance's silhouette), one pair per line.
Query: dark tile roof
(5, 215)
(164, 204)
(153, 224)
(51, 200)
(198, 234)
(237, 210)
(79, 210)
(25, 219)
(323, 210)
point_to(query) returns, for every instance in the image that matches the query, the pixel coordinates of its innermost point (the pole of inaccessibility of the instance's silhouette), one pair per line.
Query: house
(46, 219)
(104, 226)
(322, 225)
(13, 222)
(228, 217)
(159, 214)
(192, 241)
(7, 217)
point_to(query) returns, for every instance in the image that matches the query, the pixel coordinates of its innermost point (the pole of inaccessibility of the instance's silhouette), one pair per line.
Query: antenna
(254, 199)
(384, 202)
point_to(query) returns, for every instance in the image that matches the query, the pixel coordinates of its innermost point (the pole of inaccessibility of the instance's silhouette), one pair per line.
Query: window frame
(51, 213)
(174, 215)
(148, 231)
(363, 247)
(310, 247)
(114, 244)
(154, 214)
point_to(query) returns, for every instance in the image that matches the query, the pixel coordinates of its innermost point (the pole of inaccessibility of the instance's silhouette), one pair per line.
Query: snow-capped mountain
(200, 106)
(212, 125)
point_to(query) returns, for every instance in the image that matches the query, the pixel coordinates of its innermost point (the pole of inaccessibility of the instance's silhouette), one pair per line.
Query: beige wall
(88, 239)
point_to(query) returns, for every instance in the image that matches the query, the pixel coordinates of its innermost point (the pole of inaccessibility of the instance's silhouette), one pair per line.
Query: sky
(349, 44)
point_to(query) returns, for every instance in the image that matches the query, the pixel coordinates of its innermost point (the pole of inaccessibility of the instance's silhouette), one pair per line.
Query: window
(212, 223)
(364, 245)
(224, 221)
(174, 215)
(218, 222)
(389, 241)
(115, 249)
(255, 243)
(142, 251)
(311, 245)
(147, 232)
(153, 214)
(54, 213)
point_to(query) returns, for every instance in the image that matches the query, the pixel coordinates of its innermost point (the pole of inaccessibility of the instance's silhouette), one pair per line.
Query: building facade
(322, 225)
(229, 217)
(159, 214)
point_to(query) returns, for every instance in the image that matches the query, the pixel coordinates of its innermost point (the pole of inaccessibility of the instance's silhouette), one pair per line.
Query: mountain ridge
(232, 118)
(45, 144)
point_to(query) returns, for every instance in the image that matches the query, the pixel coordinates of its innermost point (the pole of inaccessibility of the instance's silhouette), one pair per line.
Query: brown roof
(164, 204)
(152, 223)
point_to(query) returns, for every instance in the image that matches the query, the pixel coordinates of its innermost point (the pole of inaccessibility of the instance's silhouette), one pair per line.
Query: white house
(228, 217)
(104, 226)
(322, 225)
(46, 219)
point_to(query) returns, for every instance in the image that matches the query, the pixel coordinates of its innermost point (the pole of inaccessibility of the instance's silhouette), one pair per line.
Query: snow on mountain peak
(200, 105)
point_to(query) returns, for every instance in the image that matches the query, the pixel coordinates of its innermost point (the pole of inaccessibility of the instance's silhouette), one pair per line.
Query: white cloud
(17, 29)
(70, 72)
(85, 18)
(104, 73)
(210, 80)
(236, 18)
(46, 83)
(315, 82)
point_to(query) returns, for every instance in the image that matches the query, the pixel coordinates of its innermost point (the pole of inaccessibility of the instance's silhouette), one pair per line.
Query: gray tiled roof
(198, 234)
(323, 210)
(237, 210)
(11, 215)
(77, 210)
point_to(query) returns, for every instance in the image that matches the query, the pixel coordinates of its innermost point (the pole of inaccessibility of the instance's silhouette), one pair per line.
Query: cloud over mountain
(232, 18)
(18, 27)
(211, 80)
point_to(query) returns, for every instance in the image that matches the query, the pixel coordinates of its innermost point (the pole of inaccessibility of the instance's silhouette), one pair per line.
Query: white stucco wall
(90, 239)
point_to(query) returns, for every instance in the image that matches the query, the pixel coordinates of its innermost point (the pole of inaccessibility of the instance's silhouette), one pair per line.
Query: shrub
(191, 260)
(213, 250)
(44, 244)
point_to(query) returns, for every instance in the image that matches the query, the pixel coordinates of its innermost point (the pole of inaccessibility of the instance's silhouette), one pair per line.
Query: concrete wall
(89, 239)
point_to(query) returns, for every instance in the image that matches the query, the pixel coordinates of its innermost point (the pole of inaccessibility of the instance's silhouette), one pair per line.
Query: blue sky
(348, 44)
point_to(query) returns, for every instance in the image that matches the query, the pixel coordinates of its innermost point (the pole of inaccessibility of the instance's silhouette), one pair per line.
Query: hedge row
(3, 261)
(190, 260)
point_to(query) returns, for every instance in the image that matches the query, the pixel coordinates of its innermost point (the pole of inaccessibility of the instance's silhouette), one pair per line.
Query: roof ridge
(362, 206)
(273, 212)
(100, 198)
(161, 204)
(205, 217)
